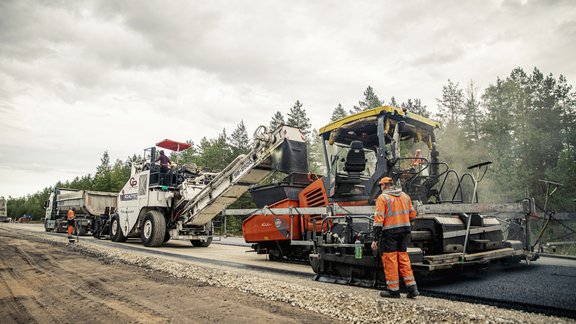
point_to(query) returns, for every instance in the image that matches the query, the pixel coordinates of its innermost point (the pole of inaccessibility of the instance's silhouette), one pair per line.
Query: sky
(78, 78)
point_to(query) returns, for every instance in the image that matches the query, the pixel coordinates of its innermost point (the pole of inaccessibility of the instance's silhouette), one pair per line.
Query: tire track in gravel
(83, 289)
(14, 305)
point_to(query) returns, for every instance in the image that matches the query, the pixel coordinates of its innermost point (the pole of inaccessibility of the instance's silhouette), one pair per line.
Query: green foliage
(524, 124)
(215, 153)
(297, 118)
(338, 113)
(277, 120)
(451, 103)
(415, 106)
(316, 162)
(370, 101)
(239, 141)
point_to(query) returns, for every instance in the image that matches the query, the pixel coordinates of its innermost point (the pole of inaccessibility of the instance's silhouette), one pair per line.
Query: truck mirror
(46, 204)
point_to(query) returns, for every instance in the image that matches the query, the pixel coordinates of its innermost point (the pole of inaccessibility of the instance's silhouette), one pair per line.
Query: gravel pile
(344, 303)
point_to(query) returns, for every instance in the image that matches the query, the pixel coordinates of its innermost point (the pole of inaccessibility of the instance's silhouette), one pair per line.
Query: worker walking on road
(70, 223)
(391, 230)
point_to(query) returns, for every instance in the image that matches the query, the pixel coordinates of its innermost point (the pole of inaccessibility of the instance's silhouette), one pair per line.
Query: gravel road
(191, 287)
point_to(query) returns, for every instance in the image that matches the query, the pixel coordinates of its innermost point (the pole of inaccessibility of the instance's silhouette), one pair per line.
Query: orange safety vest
(394, 212)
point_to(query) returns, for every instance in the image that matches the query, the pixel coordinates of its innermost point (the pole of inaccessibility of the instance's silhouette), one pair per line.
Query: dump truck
(180, 203)
(88, 206)
(4, 210)
(327, 219)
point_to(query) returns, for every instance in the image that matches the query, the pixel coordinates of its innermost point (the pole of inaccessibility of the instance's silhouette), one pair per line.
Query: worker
(419, 163)
(70, 223)
(164, 162)
(394, 211)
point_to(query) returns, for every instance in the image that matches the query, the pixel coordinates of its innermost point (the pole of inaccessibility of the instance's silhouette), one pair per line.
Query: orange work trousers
(396, 260)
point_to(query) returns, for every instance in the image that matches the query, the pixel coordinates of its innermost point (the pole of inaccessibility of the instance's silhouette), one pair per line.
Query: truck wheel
(116, 234)
(81, 231)
(46, 228)
(153, 230)
(166, 237)
(198, 243)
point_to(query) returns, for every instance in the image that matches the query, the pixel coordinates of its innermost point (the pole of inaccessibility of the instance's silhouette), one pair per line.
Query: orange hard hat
(386, 180)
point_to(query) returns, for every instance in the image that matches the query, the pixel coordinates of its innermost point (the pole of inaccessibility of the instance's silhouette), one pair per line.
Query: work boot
(390, 294)
(412, 291)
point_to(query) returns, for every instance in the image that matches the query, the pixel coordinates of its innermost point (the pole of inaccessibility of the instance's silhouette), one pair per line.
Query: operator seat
(356, 159)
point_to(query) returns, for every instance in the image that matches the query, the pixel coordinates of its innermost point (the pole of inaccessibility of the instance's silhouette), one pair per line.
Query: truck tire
(198, 243)
(81, 230)
(153, 229)
(116, 234)
(46, 228)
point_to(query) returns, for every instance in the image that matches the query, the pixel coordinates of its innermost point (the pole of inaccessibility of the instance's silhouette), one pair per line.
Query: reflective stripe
(410, 284)
(395, 282)
(397, 225)
(377, 224)
(408, 278)
(400, 212)
(389, 203)
(379, 213)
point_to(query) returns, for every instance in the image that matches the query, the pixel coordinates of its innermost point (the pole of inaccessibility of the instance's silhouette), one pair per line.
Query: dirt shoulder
(45, 283)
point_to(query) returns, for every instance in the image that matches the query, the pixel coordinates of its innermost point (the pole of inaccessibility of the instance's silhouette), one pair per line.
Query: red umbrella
(173, 145)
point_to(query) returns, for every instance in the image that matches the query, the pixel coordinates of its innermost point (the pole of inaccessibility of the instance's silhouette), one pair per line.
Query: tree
(103, 176)
(416, 106)
(277, 120)
(297, 118)
(119, 175)
(338, 113)
(370, 101)
(451, 103)
(316, 154)
(239, 141)
(215, 154)
(471, 115)
(499, 138)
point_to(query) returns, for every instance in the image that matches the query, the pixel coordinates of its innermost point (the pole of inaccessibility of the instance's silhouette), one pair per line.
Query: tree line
(524, 123)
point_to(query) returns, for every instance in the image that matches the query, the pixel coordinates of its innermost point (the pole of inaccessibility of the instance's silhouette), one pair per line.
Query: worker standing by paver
(70, 223)
(391, 230)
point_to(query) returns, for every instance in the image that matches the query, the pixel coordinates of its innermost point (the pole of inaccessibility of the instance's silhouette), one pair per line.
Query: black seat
(356, 159)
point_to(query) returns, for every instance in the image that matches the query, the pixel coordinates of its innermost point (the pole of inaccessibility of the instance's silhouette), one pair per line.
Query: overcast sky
(81, 77)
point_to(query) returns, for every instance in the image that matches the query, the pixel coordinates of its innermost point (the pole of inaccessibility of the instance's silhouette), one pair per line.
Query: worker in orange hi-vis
(70, 222)
(394, 211)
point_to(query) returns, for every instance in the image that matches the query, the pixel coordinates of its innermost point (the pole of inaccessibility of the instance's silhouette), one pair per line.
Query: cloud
(81, 77)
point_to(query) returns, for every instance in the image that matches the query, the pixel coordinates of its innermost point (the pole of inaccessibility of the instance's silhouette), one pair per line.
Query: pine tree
(297, 118)
(103, 177)
(338, 113)
(239, 141)
(370, 101)
(277, 120)
(471, 115)
(451, 103)
(393, 102)
(416, 106)
(215, 154)
(316, 154)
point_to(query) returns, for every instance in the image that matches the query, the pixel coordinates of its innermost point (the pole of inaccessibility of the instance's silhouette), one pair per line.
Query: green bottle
(358, 249)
